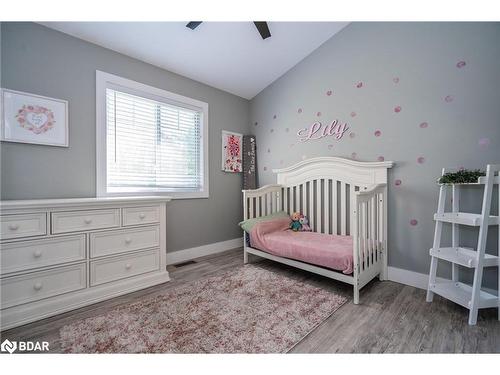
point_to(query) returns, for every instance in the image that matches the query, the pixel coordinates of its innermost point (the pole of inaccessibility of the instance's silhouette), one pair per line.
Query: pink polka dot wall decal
(268, 150)
(318, 114)
(256, 123)
(484, 142)
(287, 130)
(292, 144)
(413, 222)
(329, 92)
(395, 80)
(272, 130)
(352, 134)
(353, 114)
(398, 182)
(265, 168)
(420, 160)
(359, 85)
(424, 125)
(449, 98)
(330, 147)
(380, 158)
(377, 133)
(299, 110)
(274, 117)
(461, 168)
(354, 155)
(397, 109)
(461, 64)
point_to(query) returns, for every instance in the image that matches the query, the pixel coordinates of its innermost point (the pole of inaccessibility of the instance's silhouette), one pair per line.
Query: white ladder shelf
(468, 296)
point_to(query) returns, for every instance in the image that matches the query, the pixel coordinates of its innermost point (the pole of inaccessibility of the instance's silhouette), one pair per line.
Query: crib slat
(285, 200)
(312, 219)
(251, 216)
(318, 205)
(342, 208)
(280, 200)
(304, 198)
(352, 200)
(373, 218)
(268, 203)
(326, 206)
(334, 207)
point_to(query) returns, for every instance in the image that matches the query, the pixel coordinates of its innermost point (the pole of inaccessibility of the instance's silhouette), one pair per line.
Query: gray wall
(423, 56)
(46, 62)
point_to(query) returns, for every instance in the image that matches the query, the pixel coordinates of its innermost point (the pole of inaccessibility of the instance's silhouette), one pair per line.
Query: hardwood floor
(391, 318)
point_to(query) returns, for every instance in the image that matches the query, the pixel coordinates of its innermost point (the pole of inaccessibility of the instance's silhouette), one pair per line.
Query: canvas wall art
(232, 144)
(29, 118)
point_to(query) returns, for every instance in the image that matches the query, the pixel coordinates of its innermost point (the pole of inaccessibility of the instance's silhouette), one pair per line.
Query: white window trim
(104, 80)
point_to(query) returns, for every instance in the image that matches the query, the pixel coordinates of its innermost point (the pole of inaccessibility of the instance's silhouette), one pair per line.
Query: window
(149, 141)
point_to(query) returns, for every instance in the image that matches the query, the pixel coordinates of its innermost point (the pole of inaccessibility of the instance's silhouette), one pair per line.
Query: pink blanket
(326, 250)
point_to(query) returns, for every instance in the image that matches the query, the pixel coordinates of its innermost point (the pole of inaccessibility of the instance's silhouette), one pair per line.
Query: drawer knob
(87, 220)
(37, 253)
(128, 266)
(142, 216)
(128, 240)
(37, 286)
(14, 226)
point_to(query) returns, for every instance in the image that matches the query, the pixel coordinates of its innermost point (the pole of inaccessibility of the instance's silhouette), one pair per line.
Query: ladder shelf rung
(463, 256)
(462, 293)
(464, 218)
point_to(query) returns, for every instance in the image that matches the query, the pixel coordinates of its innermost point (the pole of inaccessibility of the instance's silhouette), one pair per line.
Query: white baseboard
(200, 251)
(402, 276)
(418, 280)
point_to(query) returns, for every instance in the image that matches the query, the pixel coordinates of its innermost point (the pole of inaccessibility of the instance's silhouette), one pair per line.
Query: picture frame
(35, 119)
(232, 152)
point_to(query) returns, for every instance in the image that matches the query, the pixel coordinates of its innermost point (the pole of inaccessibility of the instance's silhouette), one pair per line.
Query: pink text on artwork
(317, 130)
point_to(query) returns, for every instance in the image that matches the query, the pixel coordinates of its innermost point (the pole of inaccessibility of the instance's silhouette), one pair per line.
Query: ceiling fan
(262, 27)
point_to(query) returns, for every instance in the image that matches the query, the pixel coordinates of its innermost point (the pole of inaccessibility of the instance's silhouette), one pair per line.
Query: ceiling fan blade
(263, 29)
(193, 24)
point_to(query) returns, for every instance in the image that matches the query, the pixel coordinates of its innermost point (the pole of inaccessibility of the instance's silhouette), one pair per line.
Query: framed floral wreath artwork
(232, 154)
(29, 118)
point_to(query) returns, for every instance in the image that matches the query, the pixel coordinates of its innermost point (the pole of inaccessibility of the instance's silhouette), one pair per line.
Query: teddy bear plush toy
(304, 221)
(295, 225)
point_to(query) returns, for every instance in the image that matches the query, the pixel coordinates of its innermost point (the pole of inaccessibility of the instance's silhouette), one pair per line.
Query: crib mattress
(326, 250)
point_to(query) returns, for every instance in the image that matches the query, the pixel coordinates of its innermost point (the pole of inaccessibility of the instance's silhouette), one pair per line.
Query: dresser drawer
(141, 215)
(34, 286)
(19, 256)
(25, 225)
(116, 268)
(119, 241)
(73, 221)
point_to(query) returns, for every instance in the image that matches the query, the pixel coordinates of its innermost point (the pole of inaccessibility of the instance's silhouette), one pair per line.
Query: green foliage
(463, 176)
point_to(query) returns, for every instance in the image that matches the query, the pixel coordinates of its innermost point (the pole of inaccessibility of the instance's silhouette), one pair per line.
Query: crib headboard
(322, 188)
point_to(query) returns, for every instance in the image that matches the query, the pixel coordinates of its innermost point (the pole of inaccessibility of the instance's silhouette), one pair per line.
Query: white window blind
(152, 145)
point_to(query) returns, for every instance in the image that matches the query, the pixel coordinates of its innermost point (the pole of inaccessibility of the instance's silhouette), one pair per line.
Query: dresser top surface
(71, 202)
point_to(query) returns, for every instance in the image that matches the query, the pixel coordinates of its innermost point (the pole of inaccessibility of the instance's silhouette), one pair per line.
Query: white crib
(339, 196)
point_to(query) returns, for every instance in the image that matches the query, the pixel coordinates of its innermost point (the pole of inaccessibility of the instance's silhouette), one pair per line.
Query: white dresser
(60, 254)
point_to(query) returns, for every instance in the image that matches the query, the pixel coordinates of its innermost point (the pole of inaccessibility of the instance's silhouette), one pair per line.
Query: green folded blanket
(247, 225)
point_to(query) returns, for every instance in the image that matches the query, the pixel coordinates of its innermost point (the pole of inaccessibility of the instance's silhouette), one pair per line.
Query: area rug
(247, 310)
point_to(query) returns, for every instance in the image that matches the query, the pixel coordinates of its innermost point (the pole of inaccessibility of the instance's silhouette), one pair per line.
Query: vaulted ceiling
(230, 56)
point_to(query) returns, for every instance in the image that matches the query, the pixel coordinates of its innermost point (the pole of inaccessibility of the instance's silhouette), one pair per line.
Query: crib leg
(245, 256)
(356, 295)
